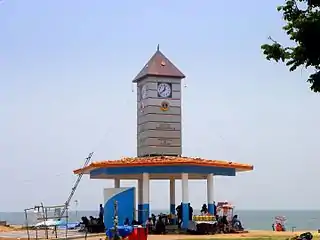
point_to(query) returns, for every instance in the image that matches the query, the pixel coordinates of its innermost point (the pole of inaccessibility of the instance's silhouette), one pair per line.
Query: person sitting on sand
(149, 224)
(160, 227)
(93, 221)
(236, 224)
(84, 224)
(153, 219)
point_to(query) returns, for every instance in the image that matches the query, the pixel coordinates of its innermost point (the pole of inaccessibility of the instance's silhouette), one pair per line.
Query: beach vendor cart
(225, 209)
(279, 224)
(203, 224)
(227, 221)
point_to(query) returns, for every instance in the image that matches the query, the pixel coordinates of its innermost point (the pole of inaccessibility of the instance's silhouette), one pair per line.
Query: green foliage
(302, 25)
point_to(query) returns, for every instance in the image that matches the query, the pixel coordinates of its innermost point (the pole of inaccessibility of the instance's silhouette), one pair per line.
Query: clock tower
(159, 108)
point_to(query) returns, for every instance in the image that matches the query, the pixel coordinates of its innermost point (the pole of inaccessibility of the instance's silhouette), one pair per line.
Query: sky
(65, 90)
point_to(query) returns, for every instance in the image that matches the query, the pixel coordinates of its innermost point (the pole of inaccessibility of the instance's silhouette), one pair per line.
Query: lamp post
(76, 203)
(115, 222)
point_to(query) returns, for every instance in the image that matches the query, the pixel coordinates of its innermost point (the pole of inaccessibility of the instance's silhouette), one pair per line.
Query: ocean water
(251, 219)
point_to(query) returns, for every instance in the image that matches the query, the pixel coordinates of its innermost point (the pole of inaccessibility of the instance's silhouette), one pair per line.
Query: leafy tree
(302, 25)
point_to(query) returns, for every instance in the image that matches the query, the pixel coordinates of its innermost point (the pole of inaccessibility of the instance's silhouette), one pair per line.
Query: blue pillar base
(173, 211)
(172, 208)
(185, 215)
(210, 208)
(144, 213)
(139, 213)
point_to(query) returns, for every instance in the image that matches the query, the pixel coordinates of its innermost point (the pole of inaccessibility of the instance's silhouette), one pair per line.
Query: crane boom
(86, 163)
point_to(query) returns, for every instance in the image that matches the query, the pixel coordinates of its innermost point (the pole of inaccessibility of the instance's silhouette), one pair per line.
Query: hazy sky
(65, 90)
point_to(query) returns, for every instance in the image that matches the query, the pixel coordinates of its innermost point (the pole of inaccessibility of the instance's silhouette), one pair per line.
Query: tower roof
(159, 66)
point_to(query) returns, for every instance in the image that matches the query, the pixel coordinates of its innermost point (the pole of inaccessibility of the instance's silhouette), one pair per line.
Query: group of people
(180, 213)
(235, 223)
(159, 223)
(204, 211)
(92, 224)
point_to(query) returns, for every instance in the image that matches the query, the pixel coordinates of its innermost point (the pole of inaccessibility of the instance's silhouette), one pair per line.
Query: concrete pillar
(140, 201)
(145, 197)
(172, 196)
(185, 201)
(117, 183)
(210, 194)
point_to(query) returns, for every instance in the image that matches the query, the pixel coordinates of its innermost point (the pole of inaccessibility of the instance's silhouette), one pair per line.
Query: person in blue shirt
(101, 212)
(214, 209)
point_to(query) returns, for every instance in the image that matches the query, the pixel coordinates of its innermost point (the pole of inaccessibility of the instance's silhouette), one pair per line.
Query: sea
(251, 219)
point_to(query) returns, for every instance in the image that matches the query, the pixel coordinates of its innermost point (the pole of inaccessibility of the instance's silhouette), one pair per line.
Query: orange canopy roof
(163, 161)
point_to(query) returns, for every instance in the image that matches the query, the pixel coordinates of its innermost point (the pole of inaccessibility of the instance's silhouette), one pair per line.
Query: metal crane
(86, 163)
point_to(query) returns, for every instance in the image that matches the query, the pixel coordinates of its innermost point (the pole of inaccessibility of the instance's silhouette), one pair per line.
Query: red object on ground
(140, 233)
(279, 227)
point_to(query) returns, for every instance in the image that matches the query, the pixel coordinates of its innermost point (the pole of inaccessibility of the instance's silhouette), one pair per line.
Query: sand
(251, 234)
(10, 228)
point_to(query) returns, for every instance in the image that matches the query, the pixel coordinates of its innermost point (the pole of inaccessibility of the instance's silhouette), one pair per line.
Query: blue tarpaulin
(124, 231)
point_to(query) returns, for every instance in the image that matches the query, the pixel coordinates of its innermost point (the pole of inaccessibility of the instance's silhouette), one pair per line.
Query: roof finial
(158, 48)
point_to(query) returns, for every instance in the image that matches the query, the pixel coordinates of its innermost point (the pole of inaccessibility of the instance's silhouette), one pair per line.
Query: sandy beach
(252, 234)
(10, 228)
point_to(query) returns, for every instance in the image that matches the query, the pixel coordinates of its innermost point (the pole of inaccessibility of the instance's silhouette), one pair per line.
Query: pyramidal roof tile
(159, 66)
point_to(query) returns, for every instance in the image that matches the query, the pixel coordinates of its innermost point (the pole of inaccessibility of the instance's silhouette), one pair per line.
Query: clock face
(164, 90)
(144, 93)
